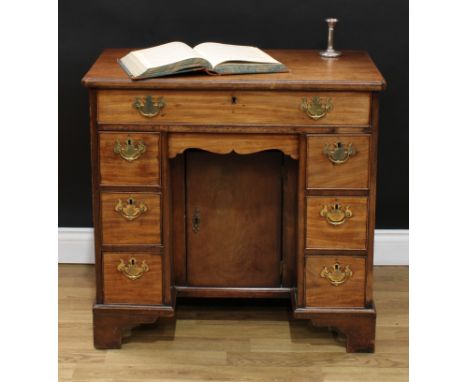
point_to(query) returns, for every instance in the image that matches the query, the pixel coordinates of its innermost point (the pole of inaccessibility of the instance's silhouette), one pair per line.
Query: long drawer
(230, 108)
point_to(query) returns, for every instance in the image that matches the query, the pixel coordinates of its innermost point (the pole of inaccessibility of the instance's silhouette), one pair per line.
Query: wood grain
(233, 292)
(118, 289)
(289, 222)
(115, 170)
(230, 341)
(238, 197)
(179, 248)
(249, 115)
(354, 70)
(244, 128)
(110, 322)
(217, 107)
(95, 180)
(321, 293)
(301, 219)
(357, 325)
(350, 235)
(146, 229)
(322, 173)
(372, 195)
(238, 143)
(166, 225)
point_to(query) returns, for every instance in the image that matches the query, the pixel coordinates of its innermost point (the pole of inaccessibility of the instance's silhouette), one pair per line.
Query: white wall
(75, 245)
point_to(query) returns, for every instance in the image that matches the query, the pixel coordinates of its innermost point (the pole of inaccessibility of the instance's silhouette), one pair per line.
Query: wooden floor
(231, 341)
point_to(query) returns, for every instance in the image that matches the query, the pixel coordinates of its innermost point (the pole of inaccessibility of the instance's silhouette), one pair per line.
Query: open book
(214, 58)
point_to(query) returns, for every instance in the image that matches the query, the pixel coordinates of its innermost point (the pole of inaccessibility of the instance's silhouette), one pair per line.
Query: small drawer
(336, 222)
(129, 159)
(335, 281)
(132, 278)
(338, 161)
(231, 107)
(131, 218)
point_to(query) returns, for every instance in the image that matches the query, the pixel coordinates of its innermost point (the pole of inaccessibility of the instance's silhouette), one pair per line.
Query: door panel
(233, 219)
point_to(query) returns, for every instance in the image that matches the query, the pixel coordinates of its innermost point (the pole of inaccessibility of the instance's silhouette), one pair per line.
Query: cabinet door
(233, 219)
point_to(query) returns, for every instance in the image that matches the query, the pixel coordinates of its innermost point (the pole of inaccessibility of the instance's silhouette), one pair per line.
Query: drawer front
(340, 161)
(335, 281)
(132, 278)
(131, 218)
(224, 107)
(129, 159)
(336, 222)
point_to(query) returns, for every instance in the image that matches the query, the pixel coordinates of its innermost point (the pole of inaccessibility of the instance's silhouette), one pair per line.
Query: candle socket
(330, 52)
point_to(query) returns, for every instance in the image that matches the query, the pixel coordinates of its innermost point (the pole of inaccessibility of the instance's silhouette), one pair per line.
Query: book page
(217, 53)
(164, 57)
(165, 54)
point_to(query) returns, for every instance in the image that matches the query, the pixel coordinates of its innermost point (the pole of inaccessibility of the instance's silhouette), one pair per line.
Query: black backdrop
(86, 27)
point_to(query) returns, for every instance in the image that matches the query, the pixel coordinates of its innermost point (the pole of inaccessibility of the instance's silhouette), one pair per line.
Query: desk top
(354, 70)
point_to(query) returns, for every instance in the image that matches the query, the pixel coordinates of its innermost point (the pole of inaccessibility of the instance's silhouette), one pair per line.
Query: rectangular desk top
(354, 70)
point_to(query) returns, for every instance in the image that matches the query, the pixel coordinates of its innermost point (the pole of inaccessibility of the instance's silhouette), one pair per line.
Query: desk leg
(110, 322)
(359, 330)
(357, 324)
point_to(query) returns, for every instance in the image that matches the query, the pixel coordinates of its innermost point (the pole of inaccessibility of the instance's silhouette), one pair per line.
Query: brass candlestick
(330, 52)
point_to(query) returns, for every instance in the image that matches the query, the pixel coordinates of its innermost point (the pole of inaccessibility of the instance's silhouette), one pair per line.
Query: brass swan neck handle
(336, 275)
(130, 210)
(147, 107)
(336, 214)
(130, 150)
(316, 108)
(132, 270)
(338, 153)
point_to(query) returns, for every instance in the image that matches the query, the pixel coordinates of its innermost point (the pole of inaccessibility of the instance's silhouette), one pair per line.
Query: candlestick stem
(330, 52)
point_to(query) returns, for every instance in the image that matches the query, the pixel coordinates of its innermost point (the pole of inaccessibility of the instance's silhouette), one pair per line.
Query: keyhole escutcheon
(196, 220)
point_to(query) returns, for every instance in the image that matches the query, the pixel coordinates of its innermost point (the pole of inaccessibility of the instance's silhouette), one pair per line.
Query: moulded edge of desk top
(354, 70)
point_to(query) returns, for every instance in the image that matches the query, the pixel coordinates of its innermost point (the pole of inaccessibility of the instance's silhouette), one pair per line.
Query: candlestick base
(330, 53)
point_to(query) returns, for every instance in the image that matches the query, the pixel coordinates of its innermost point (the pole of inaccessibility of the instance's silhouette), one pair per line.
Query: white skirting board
(76, 245)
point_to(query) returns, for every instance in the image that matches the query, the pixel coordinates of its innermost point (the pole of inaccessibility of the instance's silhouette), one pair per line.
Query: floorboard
(235, 340)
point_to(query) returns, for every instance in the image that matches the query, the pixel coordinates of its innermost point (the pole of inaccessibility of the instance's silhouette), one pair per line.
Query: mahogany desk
(240, 186)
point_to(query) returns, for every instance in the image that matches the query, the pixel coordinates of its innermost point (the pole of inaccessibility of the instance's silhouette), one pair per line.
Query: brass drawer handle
(130, 210)
(149, 108)
(316, 109)
(339, 153)
(131, 150)
(336, 276)
(132, 270)
(336, 214)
